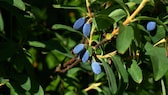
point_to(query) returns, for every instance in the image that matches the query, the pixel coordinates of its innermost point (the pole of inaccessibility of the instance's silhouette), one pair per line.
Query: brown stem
(102, 42)
(69, 61)
(68, 67)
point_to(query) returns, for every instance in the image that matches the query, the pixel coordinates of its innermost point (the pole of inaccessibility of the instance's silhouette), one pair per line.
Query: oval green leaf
(135, 72)
(117, 14)
(27, 85)
(124, 39)
(159, 60)
(19, 4)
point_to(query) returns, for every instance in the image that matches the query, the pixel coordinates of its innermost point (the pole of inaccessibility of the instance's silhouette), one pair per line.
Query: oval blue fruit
(77, 49)
(96, 67)
(85, 56)
(151, 25)
(86, 29)
(79, 23)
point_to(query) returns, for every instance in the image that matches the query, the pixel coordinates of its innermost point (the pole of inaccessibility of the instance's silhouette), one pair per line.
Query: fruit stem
(88, 8)
(107, 55)
(160, 42)
(92, 86)
(140, 7)
(91, 35)
(58, 69)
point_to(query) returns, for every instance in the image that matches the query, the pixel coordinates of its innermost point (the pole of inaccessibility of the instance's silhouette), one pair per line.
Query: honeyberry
(85, 56)
(79, 23)
(86, 29)
(151, 25)
(96, 67)
(77, 49)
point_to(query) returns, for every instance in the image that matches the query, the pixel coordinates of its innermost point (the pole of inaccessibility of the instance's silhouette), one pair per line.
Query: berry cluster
(82, 52)
(80, 49)
(81, 23)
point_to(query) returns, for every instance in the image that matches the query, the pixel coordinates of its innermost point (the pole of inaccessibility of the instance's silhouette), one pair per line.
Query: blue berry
(86, 29)
(77, 49)
(96, 67)
(79, 23)
(85, 56)
(151, 26)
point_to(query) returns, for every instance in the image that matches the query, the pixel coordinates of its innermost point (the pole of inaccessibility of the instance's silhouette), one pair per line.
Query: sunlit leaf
(37, 44)
(70, 93)
(27, 84)
(40, 91)
(1, 22)
(117, 14)
(53, 84)
(19, 4)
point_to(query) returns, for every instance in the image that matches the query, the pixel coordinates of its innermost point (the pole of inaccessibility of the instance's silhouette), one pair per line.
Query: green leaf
(123, 5)
(159, 60)
(37, 44)
(72, 73)
(132, 6)
(102, 22)
(117, 14)
(51, 60)
(1, 22)
(53, 84)
(3, 81)
(19, 4)
(124, 39)
(110, 77)
(120, 67)
(106, 90)
(97, 77)
(27, 85)
(40, 91)
(136, 1)
(64, 27)
(160, 33)
(53, 45)
(135, 72)
(70, 93)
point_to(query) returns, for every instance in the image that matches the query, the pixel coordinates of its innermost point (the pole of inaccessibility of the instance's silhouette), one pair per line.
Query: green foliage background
(36, 38)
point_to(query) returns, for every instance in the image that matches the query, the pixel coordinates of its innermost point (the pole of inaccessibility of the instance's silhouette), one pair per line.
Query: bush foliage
(123, 48)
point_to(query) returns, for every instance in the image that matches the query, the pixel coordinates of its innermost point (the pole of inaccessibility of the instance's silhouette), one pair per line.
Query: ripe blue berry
(85, 56)
(96, 67)
(77, 49)
(151, 26)
(79, 23)
(86, 29)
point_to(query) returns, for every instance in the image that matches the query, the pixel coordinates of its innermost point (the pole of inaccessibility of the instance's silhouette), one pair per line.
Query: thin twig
(69, 66)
